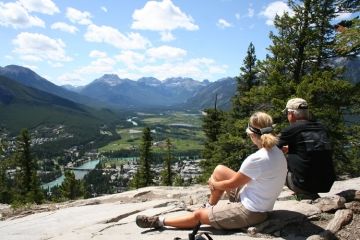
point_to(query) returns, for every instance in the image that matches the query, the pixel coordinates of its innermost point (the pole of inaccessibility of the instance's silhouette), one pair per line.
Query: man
(309, 152)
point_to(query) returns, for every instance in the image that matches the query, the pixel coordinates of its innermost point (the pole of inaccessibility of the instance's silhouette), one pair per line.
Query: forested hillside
(304, 47)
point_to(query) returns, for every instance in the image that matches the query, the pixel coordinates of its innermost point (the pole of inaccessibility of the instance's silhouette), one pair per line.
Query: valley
(120, 155)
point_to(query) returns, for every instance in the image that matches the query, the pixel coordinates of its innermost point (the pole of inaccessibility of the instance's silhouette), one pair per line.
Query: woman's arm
(239, 179)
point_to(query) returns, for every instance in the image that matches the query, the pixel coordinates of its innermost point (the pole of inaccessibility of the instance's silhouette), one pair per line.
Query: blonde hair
(263, 120)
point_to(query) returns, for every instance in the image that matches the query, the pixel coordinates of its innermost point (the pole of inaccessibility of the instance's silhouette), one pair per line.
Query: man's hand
(285, 149)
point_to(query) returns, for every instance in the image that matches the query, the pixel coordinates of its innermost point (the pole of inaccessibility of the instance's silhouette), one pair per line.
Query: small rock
(354, 206)
(252, 230)
(326, 204)
(341, 218)
(307, 201)
(316, 237)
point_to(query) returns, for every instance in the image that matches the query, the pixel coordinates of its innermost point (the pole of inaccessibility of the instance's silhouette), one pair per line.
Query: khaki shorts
(233, 215)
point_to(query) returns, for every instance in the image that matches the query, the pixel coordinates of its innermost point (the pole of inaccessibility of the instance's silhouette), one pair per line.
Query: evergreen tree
(299, 65)
(212, 122)
(27, 183)
(96, 182)
(71, 188)
(227, 142)
(144, 177)
(167, 174)
(347, 42)
(135, 181)
(212, 126)
(245, 82)
(6, 194)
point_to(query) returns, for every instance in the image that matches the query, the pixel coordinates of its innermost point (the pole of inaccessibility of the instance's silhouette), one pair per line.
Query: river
(78, 174)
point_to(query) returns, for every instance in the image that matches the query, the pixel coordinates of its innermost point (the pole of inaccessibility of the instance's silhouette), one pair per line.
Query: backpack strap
(194, 232)
(195, 236)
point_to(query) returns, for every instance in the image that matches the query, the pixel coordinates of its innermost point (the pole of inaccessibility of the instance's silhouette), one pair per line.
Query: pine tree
(299, 65)
(27, 183)
(145, 177)
(347, 42)
(212, 126)
(167, 174)
(71, 188)
(5, 196)
(5, 185)
(245, 82)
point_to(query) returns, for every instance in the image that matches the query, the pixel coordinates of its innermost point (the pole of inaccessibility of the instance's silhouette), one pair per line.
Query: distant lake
(78, 174)
(181, 125)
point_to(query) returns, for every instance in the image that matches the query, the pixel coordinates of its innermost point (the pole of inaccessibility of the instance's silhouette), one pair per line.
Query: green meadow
(183, 130)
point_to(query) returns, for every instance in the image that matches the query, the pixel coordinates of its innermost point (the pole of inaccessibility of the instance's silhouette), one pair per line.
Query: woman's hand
(211, 183)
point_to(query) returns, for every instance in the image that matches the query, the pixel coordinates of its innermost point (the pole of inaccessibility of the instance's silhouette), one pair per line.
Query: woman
(252, 190)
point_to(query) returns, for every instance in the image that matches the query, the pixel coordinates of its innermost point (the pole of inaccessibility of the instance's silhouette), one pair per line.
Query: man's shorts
(233, 215)
(301, 194)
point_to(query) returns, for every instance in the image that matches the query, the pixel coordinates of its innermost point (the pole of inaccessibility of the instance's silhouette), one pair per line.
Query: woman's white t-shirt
(267, 170)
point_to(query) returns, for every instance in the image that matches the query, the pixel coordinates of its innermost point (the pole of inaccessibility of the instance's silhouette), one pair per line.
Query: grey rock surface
(113, 216)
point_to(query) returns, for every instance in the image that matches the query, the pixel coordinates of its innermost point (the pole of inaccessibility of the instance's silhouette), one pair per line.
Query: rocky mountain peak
(149, 81)
(110, 79)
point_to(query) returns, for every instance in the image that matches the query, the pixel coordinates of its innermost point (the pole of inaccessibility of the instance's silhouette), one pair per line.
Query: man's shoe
(148, 222)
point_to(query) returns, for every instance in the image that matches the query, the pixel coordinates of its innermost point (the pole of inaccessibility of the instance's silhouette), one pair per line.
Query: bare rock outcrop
(334, 216)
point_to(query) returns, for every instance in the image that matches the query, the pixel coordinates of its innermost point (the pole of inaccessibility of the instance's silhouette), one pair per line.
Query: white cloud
(30, 58)
(115, 38)
(79, 76)
(97, 54)
(99, 66)
(237, 16)
(76, 16)
(56, 64)
(71, 78)
(104, 9)
(41, 6)
(222, 23)
(167, 36)
(250, 12)
(64, 27)
(200, 68)
(166, 53)
(275, 8)
(125, 73)
(40, 47)
(130, 58)
(32, 67)
(162, 16)
(15, 15)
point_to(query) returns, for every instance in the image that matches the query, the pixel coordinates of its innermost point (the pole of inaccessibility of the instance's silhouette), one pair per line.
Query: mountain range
(22, 106)
(20, 86)
(28, 100)
(144, 93)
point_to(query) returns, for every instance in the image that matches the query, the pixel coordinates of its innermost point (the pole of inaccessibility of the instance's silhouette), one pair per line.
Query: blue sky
(75, 42)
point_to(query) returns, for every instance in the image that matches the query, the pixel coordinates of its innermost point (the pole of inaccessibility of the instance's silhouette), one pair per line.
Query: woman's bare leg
(220, 173)
(189, 220)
